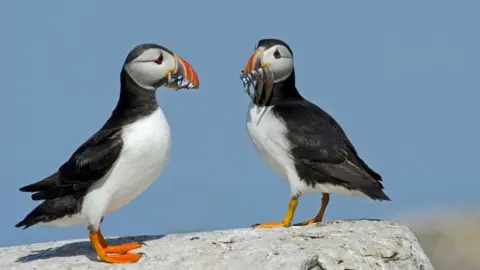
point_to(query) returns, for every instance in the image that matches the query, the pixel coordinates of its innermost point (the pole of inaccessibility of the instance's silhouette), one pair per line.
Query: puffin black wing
(88, 164)
(323, 153)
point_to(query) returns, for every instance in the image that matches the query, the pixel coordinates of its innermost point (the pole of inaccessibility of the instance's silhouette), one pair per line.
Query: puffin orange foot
(287, 220)
(102, 248)
(321, 212)
(275, 224)
(128, 257)
(123, 248)
(307, 222)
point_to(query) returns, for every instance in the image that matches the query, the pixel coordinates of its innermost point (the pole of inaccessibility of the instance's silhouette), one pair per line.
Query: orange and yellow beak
(255, 61)
(184, 69)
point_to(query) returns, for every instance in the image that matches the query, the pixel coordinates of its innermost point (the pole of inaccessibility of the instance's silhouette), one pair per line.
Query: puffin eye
(276, 54)
(159, 60)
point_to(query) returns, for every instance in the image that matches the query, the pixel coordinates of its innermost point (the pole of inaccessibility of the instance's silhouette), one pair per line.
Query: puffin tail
(50, 210)
(35, 216)
(43, 184)
(48, 188)
(373, 187)
(376, 193)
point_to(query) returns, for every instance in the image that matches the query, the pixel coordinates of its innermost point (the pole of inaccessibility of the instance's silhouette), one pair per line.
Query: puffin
(121, 160)
(300, 141)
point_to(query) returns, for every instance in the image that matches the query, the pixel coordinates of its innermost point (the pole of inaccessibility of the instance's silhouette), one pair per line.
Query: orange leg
(287, 220)
(319, 216)
(123, 248)
(127, 257)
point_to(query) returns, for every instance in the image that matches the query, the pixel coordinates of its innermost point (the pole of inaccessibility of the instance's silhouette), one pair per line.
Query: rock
(333, 245)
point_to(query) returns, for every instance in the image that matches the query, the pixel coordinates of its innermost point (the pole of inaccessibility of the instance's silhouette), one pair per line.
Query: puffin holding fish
(299, 140)
(121, 160)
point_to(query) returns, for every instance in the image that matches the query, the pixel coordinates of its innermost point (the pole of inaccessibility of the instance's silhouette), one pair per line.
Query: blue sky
(402, 78)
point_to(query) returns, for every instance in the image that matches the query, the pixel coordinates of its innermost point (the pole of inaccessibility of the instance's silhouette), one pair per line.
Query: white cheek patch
(282, 67)
(138, 72)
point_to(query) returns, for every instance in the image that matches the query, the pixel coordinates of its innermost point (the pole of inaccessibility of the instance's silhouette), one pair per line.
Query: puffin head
(151, 66)
(274, 54)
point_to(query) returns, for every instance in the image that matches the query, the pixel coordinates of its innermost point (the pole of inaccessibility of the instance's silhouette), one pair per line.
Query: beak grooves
(255, 61)
(188, 72)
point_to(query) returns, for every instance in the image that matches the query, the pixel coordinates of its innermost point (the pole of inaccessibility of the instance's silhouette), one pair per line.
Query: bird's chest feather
(267, 133)
(144, 156)
(147, 141)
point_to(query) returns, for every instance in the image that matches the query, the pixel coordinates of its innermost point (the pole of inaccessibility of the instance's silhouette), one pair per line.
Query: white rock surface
(334, 245)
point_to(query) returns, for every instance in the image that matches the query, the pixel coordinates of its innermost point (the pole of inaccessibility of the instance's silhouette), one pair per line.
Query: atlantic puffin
(299, 140)
(119, 161)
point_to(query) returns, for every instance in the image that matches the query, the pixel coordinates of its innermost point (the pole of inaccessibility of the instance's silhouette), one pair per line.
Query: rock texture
(344, 245)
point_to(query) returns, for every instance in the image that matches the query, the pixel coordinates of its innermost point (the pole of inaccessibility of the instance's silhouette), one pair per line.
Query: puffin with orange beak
(121, 160)
(300, 141)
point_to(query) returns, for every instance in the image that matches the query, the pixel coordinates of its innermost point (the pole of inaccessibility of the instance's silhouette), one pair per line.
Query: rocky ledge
(356, 244)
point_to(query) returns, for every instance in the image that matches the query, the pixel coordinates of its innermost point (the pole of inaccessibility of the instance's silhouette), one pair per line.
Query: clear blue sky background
(401, 77)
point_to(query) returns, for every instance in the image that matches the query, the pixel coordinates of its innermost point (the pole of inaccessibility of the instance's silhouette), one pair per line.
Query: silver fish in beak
(257, 74)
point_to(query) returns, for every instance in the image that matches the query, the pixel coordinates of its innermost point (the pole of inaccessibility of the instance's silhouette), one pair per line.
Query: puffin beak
(263, 87)
(255, 61)
(186, 71)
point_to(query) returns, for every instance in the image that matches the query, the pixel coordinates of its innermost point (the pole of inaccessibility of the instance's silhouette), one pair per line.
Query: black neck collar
(134, 102)
(283, 91)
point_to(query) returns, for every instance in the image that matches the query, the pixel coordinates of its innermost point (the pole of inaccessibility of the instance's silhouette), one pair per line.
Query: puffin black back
(322, 151)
